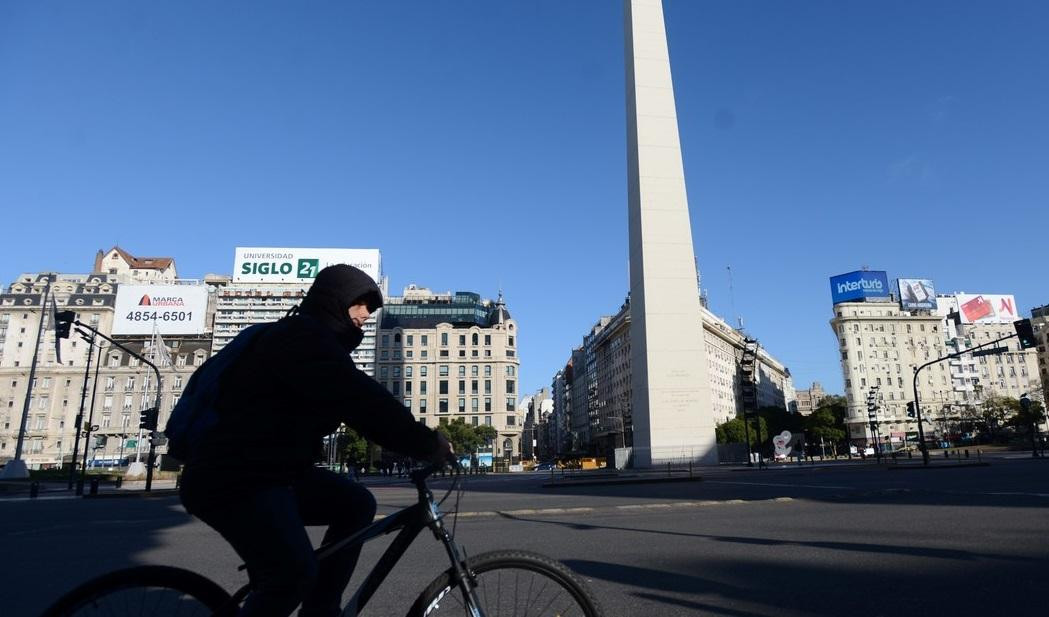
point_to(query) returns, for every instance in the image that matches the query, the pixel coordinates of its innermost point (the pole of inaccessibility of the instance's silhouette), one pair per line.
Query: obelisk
(673, 417)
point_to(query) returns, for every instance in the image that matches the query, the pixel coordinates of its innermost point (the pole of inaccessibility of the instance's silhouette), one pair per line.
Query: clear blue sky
(482, 143)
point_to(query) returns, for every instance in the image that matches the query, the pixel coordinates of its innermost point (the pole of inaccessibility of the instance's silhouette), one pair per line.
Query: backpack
(196, 413)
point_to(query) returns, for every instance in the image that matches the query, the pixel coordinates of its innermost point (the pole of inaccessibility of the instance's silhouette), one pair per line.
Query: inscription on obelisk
(672, 412)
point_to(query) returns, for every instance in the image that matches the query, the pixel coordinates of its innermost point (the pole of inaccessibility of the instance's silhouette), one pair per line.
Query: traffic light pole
(80, 413)
(917, 406)
(90, 419)
(156, 407)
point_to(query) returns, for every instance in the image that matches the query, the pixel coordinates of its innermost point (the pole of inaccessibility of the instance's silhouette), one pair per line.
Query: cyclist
(252, 476)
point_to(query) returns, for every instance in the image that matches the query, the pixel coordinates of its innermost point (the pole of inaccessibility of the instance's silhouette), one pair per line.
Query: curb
(940, 466)
(156, 493)
(567, 483)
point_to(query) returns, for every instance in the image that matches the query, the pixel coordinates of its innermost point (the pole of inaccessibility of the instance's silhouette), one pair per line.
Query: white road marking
(782, 485)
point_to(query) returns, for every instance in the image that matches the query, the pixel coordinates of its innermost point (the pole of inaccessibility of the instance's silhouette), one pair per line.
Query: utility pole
(749, 393)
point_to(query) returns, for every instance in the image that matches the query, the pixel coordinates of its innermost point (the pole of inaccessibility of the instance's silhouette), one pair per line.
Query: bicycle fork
(462, 576)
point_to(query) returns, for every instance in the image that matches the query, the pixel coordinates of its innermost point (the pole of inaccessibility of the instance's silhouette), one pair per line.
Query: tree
(994, 411)
(467, 439)
(353, 447)
(733, 431)
(822, 424)
(1028, 419)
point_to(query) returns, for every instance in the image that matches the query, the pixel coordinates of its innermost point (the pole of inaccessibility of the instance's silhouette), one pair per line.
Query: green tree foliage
(353, 447)
(467, 439)
(733, 431)
(827, 421)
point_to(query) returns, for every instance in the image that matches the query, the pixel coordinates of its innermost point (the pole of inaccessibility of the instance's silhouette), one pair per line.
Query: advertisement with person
(170, 309)
(298, 265)
(859, 285)
(987, 308)
(917, 294)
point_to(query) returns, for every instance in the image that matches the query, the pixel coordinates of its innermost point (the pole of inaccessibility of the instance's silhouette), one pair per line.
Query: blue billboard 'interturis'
(859, 285)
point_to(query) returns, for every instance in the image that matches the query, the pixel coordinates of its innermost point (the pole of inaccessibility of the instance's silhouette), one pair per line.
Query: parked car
(544, 466)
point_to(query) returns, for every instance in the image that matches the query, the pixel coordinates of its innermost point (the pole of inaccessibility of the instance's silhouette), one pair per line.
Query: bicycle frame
(410, 521)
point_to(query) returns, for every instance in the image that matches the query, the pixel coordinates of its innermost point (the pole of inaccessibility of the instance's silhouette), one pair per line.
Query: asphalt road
(835, 540)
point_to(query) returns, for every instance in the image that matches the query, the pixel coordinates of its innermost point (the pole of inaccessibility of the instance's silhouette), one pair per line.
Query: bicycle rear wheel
(145, 590)
(511, 583)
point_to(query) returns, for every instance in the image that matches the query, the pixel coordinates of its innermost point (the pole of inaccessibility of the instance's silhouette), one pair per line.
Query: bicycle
(493, 584)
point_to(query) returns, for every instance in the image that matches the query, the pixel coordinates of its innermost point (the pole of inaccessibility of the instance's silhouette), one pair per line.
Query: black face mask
(351, 338)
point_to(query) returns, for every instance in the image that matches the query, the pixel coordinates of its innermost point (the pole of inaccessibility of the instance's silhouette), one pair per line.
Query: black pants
(266, 526)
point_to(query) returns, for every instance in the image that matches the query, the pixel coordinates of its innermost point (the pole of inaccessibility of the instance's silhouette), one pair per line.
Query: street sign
(991, 351)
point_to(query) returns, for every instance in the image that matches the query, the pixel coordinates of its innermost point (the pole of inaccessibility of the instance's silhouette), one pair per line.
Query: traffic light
(147, 420)
(64, 323)
(911, 413)
(1025, 333)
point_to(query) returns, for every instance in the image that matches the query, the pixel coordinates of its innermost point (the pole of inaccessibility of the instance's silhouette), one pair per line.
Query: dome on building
(499, 313)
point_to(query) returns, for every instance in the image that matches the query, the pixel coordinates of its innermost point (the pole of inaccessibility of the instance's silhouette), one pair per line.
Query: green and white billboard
(298, 265)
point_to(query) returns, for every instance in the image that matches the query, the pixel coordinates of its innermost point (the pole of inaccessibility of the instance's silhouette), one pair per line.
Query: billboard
(301, 265)
(987, 308)
(917, 294)
(174, 309)
(859, 285)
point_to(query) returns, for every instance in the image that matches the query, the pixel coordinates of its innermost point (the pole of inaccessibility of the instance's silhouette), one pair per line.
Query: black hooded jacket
(295, 384)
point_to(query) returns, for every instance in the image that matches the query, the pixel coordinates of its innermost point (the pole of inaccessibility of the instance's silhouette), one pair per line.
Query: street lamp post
(16, 467)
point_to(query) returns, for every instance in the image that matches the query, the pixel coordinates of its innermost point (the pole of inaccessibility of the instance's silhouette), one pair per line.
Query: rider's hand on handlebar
(444, 452)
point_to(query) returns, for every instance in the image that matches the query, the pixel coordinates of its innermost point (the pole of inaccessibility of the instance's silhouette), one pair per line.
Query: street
(818, 540)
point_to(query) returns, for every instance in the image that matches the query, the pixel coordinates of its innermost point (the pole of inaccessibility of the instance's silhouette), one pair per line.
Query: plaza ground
(846, 539)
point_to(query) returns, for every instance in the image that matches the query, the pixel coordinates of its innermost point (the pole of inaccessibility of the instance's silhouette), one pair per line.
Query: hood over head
(333, 292)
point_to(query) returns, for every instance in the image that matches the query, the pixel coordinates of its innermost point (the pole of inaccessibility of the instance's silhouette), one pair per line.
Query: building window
(422, 371)
(510, 341)
(422, 405)
(444, 339)
(408, 403)
(396, 390)
(487, 404)
(487, 339)
(473, 338)
(385, 340)
(487, 386)
(397, 338)
(462, 386)
(462, 339)
(509, 386)
(510, 403)
(396, 371)
(511, 420)
(488, 420)
(462, 371)
(411, 340)
(384, 371)
(475, 405)
(488, 370)
(442, 405)
(510, 370)
(462, 405)
(442, 370)
(473, 386)
(442, 386)
(407, 388)
(407, 371)
(473, 371)
(424, 340)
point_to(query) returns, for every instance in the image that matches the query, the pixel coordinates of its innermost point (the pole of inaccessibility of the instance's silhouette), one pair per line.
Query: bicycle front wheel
(510, 583)
(145, 590)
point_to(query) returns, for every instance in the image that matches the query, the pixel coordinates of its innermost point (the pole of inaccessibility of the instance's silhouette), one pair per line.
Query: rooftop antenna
(732, 299)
